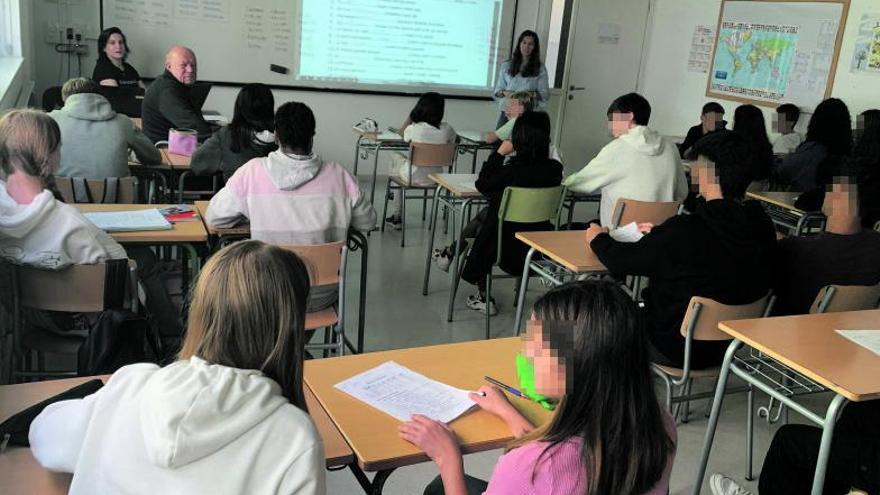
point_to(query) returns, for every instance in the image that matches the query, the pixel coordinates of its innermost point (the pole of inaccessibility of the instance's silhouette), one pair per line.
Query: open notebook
(128, 221)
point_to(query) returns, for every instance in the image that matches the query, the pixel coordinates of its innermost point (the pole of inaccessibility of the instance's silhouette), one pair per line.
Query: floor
(399, 316)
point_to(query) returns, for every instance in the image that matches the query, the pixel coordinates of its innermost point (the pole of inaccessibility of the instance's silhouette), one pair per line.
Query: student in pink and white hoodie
(292, 196)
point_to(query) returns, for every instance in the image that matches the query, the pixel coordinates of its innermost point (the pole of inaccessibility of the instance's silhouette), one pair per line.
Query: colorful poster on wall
(866, 55)
(700, 57)
(754, 60)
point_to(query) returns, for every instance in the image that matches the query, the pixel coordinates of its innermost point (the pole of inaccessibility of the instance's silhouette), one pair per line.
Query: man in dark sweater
(723, 251)
(168, 102)
(845, 254)
(711, 120)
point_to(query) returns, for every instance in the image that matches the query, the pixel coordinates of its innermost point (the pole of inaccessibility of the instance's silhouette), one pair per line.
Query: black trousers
(854, 461)
(474, 486)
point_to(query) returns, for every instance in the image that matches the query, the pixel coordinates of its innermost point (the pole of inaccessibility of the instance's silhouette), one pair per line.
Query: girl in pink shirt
(609, 435)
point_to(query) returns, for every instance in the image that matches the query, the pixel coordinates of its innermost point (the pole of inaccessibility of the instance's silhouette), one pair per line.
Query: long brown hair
(248, 311)
(610, 402)
(28, 138)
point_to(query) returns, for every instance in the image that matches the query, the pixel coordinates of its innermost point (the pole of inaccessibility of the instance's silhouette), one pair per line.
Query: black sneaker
(394, 222)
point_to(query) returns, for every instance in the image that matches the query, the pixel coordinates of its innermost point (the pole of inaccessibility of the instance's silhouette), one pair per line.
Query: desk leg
(181, 181)
(434, 207)
(716, 412)
(373, 180)
(523, 287)
(357, 154)
(375, 486)
(474, 161)
(831, 416)
(362, 310)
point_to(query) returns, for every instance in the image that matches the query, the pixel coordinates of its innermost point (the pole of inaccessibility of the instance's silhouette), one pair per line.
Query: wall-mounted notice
(770, 52)
(866, 55)
(609, 33)
(701, 49)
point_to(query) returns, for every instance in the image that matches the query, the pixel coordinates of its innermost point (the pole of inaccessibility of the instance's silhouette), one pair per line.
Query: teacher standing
(523, 72)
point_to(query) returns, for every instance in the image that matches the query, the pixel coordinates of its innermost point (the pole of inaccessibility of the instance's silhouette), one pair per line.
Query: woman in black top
(748, 122)
(111, 68)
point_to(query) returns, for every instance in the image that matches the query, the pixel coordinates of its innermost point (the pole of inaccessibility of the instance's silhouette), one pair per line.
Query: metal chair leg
(385, 207)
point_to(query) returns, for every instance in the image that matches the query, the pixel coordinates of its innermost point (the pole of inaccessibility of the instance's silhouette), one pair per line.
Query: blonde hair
(78, 85)
(28, 138)
(248, 311)
(525, 98)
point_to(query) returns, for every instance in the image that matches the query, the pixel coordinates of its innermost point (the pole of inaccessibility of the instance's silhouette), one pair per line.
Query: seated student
(97, 139)
(608, 434)
(748, 121)
(845, 254)
(423, 125)
(711, 120)
(168, 102)
(229, 416)
(638, 164)
(722, 251)
(794, 451)
(517, 103)
(866, 158)
(530, 167)
(250, 134)
(787, 116)
(829, 137)
(292, 196)
(38, 230)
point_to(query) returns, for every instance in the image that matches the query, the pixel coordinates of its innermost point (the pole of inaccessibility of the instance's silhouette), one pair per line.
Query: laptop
(126, 100)
(199, 93)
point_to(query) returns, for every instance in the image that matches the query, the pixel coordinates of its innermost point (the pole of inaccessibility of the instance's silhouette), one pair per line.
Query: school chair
(326, 264)
(216, 179)
(105, 191)
(877, 226)
(523, 205)
(838, 298)
(700, 323)
(420, 155)
(573, 198)
(627, 211)
(75, 289)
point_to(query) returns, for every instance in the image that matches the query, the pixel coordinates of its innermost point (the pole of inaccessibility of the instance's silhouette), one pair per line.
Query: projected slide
(450, 43)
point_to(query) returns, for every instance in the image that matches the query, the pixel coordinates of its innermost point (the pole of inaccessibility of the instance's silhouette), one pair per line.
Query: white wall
(678, 95)
(335, 112)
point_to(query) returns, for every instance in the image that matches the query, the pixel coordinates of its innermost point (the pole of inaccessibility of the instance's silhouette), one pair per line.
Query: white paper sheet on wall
(700, 57)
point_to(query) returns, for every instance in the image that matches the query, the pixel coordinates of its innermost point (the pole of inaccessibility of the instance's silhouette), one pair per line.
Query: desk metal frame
(365, 146)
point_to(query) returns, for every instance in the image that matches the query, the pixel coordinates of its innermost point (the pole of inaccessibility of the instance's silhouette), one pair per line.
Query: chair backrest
(627, 211)
(838, 298)
(432, 155)
(75, 289)
(704, 314)
(324, 261)
(877, 226)
(111, 190)
(530, 205)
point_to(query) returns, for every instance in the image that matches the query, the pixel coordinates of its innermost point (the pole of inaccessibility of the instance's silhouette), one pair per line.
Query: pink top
(561, 471)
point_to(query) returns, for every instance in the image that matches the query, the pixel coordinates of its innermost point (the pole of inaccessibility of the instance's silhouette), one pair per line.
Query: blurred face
(703, 175)
(115, 47)
(527, 46)
(710, 121)
(620, 123)
(550, 369)
(840, 199)
(182, 65)
(514, 108)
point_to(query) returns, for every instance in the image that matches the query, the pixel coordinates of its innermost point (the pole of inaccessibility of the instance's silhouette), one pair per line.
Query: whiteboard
(240, 41)
(772, 52)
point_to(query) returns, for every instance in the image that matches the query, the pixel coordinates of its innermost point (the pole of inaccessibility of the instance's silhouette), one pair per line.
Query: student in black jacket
(529, 167)
(723, 251)
(711, 120)
(168, 101)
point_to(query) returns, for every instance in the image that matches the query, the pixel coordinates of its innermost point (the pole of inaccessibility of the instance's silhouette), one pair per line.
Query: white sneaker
(394, 222)
(722, 485)
(477, 302)
(442, 258)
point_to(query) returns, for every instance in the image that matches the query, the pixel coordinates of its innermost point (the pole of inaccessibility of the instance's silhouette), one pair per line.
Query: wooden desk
(183, 232)
(566, 248)
(373, 435)
(243, 230)
(810, 346)
(21, 474)
(372, 143)
(473, 142)
(461, 196)
(782, 199)
(780, 207)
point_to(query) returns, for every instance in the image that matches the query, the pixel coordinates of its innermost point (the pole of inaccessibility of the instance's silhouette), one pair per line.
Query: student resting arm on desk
(608, 435)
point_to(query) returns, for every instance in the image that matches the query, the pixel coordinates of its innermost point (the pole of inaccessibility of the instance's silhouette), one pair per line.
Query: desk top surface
(188, 231)
(459, 185)
(202, 208)
(373, 435)
(569, 248)
(784, 199)
(810, 345)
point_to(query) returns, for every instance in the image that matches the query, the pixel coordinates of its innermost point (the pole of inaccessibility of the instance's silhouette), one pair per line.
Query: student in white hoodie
(292, 196)
(36, 229)
(229, 417)
(638, 164)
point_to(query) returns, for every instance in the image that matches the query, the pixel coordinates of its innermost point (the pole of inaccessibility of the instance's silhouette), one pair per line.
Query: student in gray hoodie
(97, 139)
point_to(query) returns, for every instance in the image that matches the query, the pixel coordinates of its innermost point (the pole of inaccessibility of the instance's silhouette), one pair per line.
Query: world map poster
(754, 60)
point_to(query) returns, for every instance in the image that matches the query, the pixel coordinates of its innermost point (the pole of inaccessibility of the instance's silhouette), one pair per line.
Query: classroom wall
(335, 112)
(678, 95)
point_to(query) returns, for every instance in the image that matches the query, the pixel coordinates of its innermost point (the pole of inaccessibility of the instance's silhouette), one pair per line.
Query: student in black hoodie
(529, 167)
(723, 251)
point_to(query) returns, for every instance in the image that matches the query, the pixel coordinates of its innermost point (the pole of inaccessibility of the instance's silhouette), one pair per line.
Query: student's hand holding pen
(495, 402)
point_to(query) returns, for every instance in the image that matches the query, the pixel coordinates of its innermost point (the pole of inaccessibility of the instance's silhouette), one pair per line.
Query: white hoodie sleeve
(600, 172)
(57, 434)
(363, 215)
(225, 209)
(306, 474)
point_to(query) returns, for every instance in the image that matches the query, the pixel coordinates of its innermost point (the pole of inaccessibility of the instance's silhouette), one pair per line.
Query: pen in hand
(505, 387)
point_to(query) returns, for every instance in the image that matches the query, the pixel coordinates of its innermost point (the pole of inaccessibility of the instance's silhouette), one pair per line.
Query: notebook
(129, 221)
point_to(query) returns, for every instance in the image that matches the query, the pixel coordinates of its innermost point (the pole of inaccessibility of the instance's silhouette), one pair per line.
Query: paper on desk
(462, 182)
(400, 392)
(869, 339)
(127, 221)
(627, 233)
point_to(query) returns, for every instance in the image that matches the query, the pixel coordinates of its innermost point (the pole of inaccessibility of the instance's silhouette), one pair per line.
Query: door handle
(576, 88)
